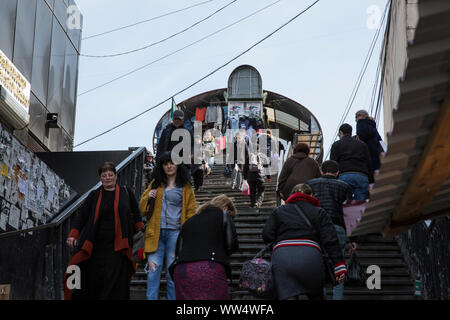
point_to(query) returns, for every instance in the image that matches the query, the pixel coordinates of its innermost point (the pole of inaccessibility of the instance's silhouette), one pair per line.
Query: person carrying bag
(297, 257)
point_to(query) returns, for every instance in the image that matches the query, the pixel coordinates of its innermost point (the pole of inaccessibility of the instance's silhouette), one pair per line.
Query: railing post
(49, 272)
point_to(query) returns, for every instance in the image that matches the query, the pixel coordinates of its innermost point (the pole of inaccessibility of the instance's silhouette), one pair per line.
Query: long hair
(160, 176)
(220, 201)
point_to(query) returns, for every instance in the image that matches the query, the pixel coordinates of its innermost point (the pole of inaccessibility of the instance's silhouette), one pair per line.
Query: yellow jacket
(153, 226)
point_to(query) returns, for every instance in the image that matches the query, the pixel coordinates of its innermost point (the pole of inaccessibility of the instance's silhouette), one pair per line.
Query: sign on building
(14, 94)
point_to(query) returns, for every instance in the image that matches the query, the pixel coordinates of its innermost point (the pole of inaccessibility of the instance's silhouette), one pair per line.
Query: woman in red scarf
(297, 263)
(102, 236)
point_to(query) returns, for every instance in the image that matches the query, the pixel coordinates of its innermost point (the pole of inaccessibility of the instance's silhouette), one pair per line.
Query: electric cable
(359, 79)
(147, 20)
(202, 78)
(176, 51)
(159, 41)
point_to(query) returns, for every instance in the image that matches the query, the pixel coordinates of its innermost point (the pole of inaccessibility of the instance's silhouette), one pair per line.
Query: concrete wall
(403, 22)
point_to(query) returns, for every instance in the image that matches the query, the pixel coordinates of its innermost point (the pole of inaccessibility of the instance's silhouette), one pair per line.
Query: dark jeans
(256, 190)
(359, 183)
(198, 179)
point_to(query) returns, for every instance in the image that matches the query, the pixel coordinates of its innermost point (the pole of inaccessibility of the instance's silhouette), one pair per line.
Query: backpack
(256, 276)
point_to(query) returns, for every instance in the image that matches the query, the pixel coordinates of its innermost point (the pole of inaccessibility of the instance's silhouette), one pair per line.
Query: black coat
(207, 236)
(85, 227)
(366, 130)
(286, 223)
(165, 142)
(352, 156)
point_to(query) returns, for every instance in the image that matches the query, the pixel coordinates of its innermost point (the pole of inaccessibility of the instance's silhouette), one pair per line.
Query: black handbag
(231, 238)
(327, 262)
(355, 273)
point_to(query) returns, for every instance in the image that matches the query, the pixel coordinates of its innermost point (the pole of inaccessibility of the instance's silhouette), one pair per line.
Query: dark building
(41, 40)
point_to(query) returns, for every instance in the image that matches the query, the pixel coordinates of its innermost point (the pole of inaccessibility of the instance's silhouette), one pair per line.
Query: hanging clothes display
(200, 114)
(234, 122)
(211, 114)
(219, 115)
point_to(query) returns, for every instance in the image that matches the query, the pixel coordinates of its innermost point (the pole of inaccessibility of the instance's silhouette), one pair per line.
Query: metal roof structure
(414, 179)
(283, 109)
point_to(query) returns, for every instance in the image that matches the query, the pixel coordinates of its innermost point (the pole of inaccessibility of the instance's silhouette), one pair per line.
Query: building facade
(39, 50)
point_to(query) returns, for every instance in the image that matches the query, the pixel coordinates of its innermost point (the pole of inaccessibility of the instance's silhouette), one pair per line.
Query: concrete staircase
(396, 283)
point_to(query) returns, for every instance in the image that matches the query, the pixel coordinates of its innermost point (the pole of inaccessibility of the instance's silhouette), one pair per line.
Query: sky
(315, 60)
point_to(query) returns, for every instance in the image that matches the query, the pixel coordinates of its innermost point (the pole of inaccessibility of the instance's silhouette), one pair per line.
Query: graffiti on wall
(30, 192)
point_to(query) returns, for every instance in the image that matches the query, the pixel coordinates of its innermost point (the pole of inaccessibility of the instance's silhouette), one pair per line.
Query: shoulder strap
(296, 164)
(300, 211)
(262, 251)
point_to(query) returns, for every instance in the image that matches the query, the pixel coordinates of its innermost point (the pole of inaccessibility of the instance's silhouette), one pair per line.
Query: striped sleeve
(339, 269)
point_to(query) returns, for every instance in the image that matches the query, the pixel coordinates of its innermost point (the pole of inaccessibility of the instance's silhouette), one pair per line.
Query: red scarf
(300, 196)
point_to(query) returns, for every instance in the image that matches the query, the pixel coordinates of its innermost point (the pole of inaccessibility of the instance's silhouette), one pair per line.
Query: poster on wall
(30, 192)
(253, 109)
(235, 109)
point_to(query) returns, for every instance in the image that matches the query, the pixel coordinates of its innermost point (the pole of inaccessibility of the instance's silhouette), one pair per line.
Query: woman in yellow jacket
(174, 204)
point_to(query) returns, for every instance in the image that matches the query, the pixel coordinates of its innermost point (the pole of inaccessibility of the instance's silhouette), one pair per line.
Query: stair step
(373, 249)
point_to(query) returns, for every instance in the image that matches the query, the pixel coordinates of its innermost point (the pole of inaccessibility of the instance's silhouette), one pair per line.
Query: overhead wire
(176, 51)
(159, 41)
(380, 93)
(204, 77)
(359, 79)
(144, 21)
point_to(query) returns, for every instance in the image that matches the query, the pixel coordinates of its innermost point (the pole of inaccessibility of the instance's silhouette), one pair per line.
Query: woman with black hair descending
(174, 204)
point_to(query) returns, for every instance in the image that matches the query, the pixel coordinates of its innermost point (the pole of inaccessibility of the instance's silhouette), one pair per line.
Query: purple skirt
(200, 280)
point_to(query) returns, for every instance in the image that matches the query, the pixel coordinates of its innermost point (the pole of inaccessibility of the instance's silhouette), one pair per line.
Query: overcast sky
(315, 60)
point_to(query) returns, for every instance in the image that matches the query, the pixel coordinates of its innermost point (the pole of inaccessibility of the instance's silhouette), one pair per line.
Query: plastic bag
(355, 273)
(245, 188)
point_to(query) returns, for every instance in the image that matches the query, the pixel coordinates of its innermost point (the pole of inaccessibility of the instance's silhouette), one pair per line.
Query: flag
(174, 106)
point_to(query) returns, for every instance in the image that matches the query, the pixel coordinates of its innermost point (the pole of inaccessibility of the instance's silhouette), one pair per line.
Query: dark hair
(301, 147)
(303, 188)
(160, 176)
(346, 129)
(106, 166)
(330, 166)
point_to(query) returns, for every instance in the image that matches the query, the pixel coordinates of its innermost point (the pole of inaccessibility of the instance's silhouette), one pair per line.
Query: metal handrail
(67, 212)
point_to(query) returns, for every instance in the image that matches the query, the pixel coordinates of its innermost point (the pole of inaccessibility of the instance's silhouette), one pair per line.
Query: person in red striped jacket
(297, 263)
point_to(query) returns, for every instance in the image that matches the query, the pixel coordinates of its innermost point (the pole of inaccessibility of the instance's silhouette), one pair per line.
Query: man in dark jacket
(355, 165)
(332, 193)
(165, 141)
(366, 130)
